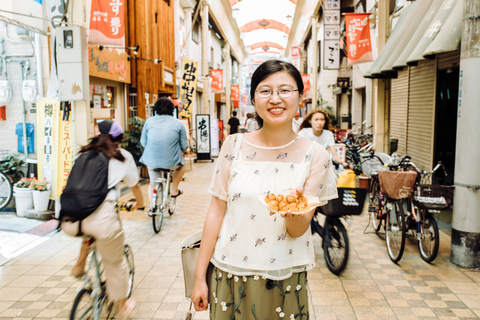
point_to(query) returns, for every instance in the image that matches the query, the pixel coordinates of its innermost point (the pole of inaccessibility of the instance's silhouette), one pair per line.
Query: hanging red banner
(235, 92)
(306, 84)
(107, 22)
(359, 46)
(217, 80)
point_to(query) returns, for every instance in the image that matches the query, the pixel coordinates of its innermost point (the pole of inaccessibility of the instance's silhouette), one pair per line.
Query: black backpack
(86, 189)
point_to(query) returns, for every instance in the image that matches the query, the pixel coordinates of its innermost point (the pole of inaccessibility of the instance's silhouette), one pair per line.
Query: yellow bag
(346, 179)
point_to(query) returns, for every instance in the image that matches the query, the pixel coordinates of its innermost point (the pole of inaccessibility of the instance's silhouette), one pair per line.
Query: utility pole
(205, 56)
(465, 248)
(314, 62)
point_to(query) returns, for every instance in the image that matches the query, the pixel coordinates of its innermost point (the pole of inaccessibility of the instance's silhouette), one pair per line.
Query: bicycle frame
(165, 181)
(97, 285)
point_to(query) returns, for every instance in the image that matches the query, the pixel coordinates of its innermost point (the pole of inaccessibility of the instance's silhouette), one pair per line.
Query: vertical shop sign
(217, 80)
(296, 57)
(235, 92)
(48, 112)
(306, 85)
(188, 86)
(65, 149)
(107, 22)
(244, 99)
(203, 136)
(359, 48)
(331, 34)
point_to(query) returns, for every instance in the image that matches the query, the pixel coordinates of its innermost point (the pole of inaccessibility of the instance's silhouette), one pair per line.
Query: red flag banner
(235, 92)
(359, 47)
(306, 85)
(217, 80)
(107, 22)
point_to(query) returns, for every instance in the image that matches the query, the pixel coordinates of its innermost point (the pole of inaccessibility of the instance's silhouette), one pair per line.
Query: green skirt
(253, 297)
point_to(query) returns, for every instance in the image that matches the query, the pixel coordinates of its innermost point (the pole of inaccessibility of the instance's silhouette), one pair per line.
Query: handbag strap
(238, 143)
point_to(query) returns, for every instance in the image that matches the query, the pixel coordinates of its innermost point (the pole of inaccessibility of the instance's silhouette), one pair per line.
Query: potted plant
(23, 196)
(41, 194)
(131, 143)
(13, 166)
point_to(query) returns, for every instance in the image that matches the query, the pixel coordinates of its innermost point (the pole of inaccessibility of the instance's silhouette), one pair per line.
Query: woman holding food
(260, 258)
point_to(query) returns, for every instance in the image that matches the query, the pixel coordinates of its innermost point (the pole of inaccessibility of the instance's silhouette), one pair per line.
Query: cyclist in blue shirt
(164, 138)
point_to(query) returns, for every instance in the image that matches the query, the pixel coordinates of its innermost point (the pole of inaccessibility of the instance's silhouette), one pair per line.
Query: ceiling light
(264, 23)
(289, 19)
(265, 48)
(242, 35)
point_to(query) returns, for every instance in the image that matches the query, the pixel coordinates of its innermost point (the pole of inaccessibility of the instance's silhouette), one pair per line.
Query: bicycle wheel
(430, 240)
(335, 245)
(395, 231)
(375, 202)
(6, 190)
(173, 205)
(157, 214)
(82, 308)
(127, 251)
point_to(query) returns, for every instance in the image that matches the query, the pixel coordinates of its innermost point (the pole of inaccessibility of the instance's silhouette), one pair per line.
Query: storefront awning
(374, 71)
(433, 29)
(419, 12)
(448, 39)
(401, 61)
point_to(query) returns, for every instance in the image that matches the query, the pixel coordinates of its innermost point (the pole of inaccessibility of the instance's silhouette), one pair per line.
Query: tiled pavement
(37, 285)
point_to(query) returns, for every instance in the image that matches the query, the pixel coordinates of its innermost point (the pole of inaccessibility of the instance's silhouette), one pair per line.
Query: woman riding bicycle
(104, 224)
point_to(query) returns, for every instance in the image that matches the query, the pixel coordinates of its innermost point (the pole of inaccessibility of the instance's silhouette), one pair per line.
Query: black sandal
(179, 193)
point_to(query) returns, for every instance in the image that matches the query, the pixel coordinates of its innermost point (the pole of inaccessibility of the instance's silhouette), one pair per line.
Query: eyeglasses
(282, 93)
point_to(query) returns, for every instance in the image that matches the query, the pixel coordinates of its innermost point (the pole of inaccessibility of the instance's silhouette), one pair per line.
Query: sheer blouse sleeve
(219, 185)
(321, 180)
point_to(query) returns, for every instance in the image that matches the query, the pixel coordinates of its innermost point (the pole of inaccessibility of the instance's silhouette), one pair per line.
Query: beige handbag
(190, 249)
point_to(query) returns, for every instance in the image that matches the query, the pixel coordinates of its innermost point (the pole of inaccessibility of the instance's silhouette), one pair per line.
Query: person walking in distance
(103, 224)
(260, 259)
(296, 122)
(164, 139)
(251, 124)
(233, 123)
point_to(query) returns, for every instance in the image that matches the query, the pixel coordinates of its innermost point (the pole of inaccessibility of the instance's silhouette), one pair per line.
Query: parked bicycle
(92, 295)
(6, 188)
(162, 200)
(426, 199)
(334, 235)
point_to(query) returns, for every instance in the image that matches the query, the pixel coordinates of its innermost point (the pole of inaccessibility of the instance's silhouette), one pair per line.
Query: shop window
(132, 99)
(102, 96)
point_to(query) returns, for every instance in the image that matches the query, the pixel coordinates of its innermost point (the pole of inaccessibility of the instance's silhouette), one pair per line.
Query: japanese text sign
(188, 86)
(359, 47)
(235, 92)
(109, 64)
(331, 57)
(107, 22)
(217, 80)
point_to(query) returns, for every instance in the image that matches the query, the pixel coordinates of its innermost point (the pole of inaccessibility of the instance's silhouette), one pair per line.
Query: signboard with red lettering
(296, 57)
(109, 64)
(359, 47)
(107, 22)
(217, 80)
(235, 92)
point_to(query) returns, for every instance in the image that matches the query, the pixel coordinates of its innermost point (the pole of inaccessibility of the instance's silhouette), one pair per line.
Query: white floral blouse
(251, 242)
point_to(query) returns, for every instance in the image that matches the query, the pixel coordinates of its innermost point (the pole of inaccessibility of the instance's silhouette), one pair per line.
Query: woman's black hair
(164, 106)
(268, 68)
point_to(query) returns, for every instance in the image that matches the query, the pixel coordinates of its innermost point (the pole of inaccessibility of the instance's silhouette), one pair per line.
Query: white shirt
(251, 242)
(296, 124)
(326, 138)
(252, 125)
(118, 171)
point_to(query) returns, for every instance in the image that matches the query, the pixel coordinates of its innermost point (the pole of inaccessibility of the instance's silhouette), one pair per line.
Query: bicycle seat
(168, 170)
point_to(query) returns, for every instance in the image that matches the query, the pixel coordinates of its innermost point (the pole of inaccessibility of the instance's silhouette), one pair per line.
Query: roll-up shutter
(399, 110)
(374, 101)
(448, 60)
(421, 113)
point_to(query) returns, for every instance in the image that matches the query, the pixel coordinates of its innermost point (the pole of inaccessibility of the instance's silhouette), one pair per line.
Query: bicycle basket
(350, 202)
(372, 166)
(397, 184)
(433, 196)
